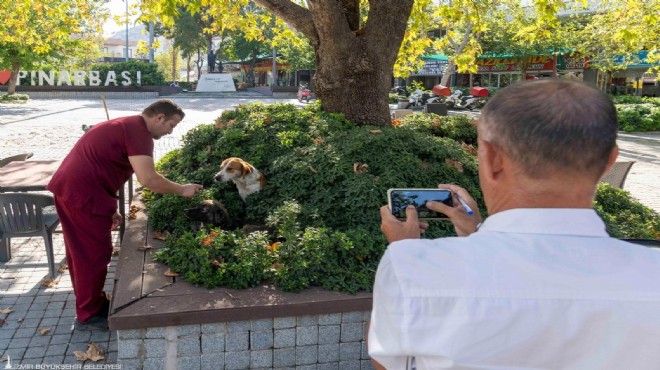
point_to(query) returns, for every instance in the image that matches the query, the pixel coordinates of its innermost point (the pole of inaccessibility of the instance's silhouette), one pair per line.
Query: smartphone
(399, 199)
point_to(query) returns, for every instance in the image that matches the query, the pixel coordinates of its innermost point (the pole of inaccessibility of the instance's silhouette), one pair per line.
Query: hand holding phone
(399, 199)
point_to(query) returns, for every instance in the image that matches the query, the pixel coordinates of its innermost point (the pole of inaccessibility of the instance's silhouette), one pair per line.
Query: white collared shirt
(532, 289)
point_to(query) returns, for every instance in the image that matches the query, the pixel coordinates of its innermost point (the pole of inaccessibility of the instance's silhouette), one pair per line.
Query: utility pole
(151, 41)
(126, 30)
(274, 83)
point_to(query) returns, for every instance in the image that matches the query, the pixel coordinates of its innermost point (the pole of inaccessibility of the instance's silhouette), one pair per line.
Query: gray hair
(552, 125)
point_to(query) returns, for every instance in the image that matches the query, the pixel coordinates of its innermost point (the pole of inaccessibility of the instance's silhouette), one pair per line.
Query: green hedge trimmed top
(326, 180)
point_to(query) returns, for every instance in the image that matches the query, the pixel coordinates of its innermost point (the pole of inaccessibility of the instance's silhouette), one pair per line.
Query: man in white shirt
(540, 285)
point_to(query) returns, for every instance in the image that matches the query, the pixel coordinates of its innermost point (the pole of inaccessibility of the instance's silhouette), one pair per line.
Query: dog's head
(210, 212)
(233, 168)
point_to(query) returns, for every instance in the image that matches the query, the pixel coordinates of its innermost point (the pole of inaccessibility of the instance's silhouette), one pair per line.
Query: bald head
(552, 126)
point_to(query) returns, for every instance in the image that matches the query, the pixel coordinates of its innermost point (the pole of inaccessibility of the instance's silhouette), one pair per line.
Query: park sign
(76, 78)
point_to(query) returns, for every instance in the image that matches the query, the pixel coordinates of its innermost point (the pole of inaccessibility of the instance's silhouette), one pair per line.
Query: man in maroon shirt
(85, 189)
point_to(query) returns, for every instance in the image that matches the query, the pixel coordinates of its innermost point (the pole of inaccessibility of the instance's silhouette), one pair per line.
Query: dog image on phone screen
(247, 178)
(209, 212)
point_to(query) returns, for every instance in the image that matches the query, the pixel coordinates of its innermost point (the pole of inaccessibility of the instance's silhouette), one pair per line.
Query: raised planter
(164, 322)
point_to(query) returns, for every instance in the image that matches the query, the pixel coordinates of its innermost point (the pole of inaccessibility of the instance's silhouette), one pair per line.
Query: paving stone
(212, 362)
(80, 336)
(330, 319)
(366, 365)
(307, 320)
(154, 363)
(131, 334)
(261, 325)
(329, 334)
(306, 355)
(130, 348)
(328, 353)
(56, 349)
(261, 358)
(153, 347)
(284, 322)
(187, 330)
(34, 352)
(284, 338)
(237, 360)
(24, 333)
(213, 328)
(213, 343)
(188, 363)
(129, 364)
(40, 341)
(238, 326)
(60, 338)
(155, 332)
(349, 317)
(260, 340)
(352, 332)
(350, 365)
(350, 351)
(19, 342)
(329, 366)
(187, 346)
(237, 341)
(307, 335)
(52, 360)
(284, 357)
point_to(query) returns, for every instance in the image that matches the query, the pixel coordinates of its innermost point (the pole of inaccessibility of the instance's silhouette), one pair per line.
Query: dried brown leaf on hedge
(44, 331)
(6, 310)
(94, 353)
(161, 235)
(456, 164)
(359, 168)
(170, 273)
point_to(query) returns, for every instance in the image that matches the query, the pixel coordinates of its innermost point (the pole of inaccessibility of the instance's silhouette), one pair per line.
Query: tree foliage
(35, 32)
(621, 28)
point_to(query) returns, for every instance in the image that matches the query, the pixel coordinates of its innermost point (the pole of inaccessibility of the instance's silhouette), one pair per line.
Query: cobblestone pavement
(49, 129)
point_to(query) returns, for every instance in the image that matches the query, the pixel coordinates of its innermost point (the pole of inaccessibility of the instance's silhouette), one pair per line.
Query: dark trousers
(88, 243)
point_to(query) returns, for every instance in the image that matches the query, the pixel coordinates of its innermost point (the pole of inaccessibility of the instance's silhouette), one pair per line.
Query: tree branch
(352, 13)
(295, 15)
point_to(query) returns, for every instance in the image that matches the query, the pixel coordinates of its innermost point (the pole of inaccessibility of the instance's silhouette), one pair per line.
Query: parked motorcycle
(304, 93)
(460, 101)
(418, 98)
(399, 90)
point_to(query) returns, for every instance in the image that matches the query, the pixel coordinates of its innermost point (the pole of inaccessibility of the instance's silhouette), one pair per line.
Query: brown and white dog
(248, 179)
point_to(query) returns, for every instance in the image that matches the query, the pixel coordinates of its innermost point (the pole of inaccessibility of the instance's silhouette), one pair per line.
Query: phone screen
(399, 199)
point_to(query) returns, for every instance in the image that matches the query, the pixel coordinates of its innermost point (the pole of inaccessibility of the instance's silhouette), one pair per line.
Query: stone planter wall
(331, 341)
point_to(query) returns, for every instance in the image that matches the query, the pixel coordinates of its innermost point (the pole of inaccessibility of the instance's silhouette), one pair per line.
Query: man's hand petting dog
(247, 178)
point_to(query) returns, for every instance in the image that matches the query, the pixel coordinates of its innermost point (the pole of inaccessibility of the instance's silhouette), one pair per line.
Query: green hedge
(322, 214)
(14, 98)
(637, 114)
(150, 75)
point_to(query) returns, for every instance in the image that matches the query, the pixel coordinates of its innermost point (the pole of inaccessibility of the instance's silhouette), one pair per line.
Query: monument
(215, 82)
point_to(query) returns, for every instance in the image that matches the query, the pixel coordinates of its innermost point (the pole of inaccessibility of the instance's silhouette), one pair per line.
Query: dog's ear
(247, 168)
(224, 163)
(221, 216)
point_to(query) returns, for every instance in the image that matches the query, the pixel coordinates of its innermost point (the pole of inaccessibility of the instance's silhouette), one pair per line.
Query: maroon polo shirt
(98, 164)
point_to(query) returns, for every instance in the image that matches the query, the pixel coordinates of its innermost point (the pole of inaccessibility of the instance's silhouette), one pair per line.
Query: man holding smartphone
(539, 284)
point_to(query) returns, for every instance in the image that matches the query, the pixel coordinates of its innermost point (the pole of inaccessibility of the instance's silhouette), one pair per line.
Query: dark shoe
(93, 323)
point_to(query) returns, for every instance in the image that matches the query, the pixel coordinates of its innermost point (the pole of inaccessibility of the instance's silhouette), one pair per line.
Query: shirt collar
(557, 221)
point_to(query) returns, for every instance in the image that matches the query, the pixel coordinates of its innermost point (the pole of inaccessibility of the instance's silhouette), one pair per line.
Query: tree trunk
(451, 68)
(11, 88)
(353, 65)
